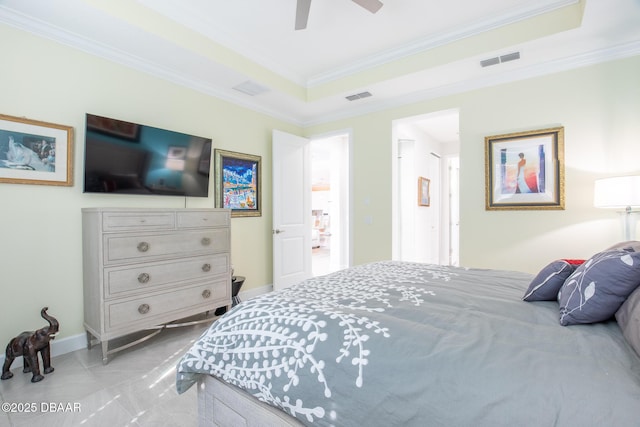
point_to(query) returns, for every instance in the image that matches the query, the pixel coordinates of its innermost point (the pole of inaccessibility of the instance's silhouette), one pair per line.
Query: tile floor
(136, 388)
(320, 261)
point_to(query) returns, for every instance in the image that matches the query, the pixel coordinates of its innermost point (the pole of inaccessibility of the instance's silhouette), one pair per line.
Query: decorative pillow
(628, 317)
(545, 286)
(574, 262)
(632, 245)
(597, 288)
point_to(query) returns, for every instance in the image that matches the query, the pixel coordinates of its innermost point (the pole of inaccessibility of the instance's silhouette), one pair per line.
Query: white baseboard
(254, 292)
(78, 342)
(58, 347)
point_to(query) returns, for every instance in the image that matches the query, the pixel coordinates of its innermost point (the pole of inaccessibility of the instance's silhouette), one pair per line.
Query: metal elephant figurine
(28, 345)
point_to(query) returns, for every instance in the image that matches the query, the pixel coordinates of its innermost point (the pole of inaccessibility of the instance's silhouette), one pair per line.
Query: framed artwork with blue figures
(525, 170)
(238, 183)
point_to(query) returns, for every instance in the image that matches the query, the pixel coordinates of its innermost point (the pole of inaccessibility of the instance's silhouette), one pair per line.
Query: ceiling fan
(302, 10)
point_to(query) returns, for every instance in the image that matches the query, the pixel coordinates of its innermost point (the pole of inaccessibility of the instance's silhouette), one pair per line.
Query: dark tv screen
(129, 158)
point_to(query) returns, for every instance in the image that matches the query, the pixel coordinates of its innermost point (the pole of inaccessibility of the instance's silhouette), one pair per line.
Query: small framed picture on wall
(238, 182)
(424, 198)
(35, 152)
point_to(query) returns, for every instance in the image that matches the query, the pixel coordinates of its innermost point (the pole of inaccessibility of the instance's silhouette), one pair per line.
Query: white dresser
(144, 268)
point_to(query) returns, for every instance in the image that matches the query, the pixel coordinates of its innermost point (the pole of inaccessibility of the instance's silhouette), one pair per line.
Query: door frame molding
(348, 254)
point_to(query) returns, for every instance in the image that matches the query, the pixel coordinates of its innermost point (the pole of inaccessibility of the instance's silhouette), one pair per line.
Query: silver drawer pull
(205, 241)
(206, 267)
(143, 246)
(143, 277)
(206, 293)
(144, 308)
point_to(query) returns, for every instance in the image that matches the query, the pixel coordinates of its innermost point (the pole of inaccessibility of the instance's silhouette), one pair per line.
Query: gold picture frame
(238, 183)
(35, 152)
(525, 170)
(424, 197)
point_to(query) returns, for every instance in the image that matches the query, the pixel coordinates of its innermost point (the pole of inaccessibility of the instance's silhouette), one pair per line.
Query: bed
(408, 344)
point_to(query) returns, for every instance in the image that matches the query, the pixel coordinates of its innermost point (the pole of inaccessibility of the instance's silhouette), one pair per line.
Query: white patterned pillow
(597, 289)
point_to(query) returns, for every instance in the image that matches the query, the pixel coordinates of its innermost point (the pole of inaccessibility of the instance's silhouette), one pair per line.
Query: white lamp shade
(618, 192)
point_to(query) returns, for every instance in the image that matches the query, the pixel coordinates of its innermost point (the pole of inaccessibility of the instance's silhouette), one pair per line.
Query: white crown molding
(621, 51)
(425, 44)
(193, 20)
(92, 47)
(48, 31)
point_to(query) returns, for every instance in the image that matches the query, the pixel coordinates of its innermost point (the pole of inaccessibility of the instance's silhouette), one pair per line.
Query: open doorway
(426, 149)
(330, 203)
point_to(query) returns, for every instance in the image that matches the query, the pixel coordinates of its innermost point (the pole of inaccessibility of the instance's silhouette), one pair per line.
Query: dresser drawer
(151, 309)
(146, 267)
(133, 247)
(136, 221)
(122, 281)
(200, 219)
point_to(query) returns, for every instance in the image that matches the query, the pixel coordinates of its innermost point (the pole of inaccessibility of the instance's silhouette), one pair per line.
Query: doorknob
(276, 231)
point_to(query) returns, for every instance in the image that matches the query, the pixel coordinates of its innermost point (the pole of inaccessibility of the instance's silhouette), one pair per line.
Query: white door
(433, 237)
(291, 209)
(406, 191)
(454, 211)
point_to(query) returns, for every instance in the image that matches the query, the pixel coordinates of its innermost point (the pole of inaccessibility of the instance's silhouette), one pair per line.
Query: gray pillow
(597, 289)
(628, 317)
(633, 245)
(547, 283)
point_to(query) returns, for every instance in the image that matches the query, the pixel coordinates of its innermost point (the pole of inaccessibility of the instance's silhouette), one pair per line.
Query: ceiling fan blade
(371, 5)
(302, 14)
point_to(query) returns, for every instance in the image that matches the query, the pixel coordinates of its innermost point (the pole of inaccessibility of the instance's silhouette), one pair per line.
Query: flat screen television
(129, 158)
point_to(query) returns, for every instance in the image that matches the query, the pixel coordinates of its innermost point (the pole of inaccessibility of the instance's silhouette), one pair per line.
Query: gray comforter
(406, 344)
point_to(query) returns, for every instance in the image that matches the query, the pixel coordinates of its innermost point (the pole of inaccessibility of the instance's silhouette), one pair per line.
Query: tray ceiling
(408, 51)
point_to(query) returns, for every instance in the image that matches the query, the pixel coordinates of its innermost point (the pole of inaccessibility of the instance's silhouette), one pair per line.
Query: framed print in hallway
(35, 152)
(525, 170)
(423, 192)
(238, 181)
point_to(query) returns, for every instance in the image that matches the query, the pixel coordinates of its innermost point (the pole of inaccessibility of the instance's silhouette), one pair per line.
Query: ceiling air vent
(490, 61)
(500, 59)
(358, 96)
(251, 88)
(510, 57)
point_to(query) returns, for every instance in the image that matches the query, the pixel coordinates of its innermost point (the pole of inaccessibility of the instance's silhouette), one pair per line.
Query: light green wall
(598, 106)
(40, 226)
(40, 250)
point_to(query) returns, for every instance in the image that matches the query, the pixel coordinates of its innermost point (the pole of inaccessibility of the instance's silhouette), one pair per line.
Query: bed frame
(224, 405)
